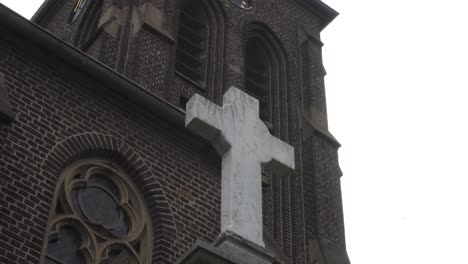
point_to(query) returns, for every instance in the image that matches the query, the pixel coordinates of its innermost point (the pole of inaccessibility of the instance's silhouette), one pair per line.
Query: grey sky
(397, 100)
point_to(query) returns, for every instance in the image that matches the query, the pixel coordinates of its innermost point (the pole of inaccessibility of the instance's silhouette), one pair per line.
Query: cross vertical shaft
(245, 144)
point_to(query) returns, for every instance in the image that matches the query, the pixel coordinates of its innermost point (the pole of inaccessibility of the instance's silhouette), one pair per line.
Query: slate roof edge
(55, 47)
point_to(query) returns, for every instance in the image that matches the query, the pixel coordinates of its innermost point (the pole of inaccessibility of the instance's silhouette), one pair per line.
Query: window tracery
(98, 216)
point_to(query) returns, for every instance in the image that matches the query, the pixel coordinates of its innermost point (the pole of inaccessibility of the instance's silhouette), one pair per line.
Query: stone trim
(65, 214)
(309, 127)
(325, 13)
(88, 145)
(151, 18)
(304, 35)
(111, 20)
(202, 252)
(6, 112)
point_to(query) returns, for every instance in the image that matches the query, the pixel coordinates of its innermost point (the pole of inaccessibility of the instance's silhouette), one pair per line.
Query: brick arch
(91, 145)
(215, 13)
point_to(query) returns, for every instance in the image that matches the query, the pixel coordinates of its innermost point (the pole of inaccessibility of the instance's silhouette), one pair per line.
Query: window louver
(191, 44)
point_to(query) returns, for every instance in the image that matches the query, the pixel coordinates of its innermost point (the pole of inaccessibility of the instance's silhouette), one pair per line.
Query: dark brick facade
(64, 113)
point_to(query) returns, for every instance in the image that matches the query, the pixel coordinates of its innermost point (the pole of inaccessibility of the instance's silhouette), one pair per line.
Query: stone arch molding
(108, 152)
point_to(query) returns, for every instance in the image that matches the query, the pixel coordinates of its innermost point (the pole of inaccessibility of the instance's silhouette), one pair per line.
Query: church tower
(100, 118)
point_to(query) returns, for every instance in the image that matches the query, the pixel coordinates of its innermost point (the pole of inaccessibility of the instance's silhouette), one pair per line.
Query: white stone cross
(245, 144)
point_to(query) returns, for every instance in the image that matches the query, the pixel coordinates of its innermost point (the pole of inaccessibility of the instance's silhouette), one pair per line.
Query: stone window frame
(94, 240)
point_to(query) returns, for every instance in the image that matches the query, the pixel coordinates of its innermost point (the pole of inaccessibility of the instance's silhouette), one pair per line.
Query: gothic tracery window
(98, 217)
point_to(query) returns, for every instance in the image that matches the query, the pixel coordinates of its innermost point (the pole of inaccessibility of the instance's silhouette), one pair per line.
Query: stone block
(229, 248)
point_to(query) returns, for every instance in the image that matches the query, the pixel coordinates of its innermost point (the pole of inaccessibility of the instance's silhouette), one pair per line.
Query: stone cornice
(310, 127)
(325, 13)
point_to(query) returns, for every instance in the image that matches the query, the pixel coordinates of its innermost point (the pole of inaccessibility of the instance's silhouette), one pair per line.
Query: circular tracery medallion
(99, 217)
(98, 202)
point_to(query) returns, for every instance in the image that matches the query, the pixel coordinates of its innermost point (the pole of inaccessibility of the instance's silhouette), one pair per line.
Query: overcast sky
(396, 92)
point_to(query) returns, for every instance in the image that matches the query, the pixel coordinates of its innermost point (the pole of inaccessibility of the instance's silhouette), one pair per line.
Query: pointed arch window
(98, 216)
(192, 43)
(88, 28)
(76, 11)
(265, 75)
(258, 75)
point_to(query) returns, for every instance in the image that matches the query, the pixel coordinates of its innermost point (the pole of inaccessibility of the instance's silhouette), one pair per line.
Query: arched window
(259, 76)
(98, 216)
(192, 42)
(265, 75)
(88, 28)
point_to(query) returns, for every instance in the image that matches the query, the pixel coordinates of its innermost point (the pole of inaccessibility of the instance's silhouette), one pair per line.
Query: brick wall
(60, 109)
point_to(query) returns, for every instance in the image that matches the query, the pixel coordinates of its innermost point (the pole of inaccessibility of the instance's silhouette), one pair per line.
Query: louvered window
(192, 43)
(258, 77)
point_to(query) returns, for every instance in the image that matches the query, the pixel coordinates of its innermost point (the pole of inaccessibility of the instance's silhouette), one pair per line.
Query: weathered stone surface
(6, 113)
(111, 20)
(242, 250)
(227, 249)
(203, 253)
(310, 127)
(244, 142)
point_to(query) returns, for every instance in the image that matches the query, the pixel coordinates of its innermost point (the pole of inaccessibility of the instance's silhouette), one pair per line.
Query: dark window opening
(183, 102)
(64, 247)
(259, 77)
(192, 43)
(88, 30)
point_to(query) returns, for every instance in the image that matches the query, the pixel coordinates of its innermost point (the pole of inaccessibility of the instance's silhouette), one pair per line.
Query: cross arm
(203, 117)
(282, 157)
